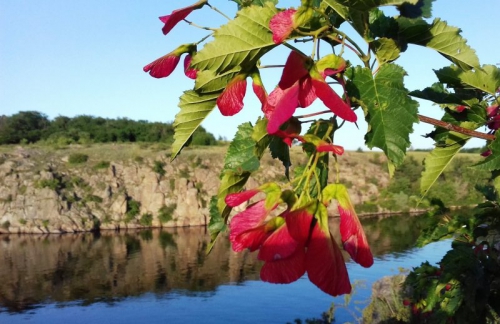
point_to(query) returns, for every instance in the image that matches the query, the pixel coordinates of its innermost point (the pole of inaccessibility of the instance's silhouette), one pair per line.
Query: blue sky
(86, 57)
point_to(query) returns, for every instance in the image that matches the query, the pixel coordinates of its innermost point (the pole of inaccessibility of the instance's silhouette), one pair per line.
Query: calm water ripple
(164, 276)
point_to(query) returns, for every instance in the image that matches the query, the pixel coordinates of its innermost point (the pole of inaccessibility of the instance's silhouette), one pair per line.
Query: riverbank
(79, 188)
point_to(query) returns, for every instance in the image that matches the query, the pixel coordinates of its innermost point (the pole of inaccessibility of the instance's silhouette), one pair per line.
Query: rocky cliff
(128, 186)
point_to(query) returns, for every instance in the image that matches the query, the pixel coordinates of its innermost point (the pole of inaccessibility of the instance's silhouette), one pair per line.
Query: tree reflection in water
(109, 266)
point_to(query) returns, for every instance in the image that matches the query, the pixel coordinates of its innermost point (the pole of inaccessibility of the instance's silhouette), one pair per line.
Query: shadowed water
(164, 276)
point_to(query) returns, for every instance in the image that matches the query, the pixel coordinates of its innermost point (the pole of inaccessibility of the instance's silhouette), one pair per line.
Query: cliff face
(121, 187)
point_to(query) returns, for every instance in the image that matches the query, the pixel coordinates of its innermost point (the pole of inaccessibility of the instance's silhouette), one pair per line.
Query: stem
(314, 114)
(204, 38)
(455, 128)
(218, 11)
(269, 66)
(198, 26)
(313, 54)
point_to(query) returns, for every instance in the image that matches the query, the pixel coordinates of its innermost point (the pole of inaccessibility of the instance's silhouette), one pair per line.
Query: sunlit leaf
(492, 162)
(423, 8)
(440, 37)
(239, 43)
(370, 4)
(486, 79)
(195, 108)
(439, 158)
(390, 112)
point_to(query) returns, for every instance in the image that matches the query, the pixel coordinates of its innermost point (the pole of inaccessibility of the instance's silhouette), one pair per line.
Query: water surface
(164, 276)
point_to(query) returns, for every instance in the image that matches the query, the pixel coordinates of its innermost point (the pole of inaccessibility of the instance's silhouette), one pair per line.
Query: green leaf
(207, 81)
(240, 156)
(357, 18)
(366, 5)
(216, 224)
(486, 79)
(195, 108)
(390, 112)
(423, 8)
(492, 162)
(386, 49)
(247, 148)
(439, 158)
(240, 43)
(246, 3)
(437, 93)
(383, 26)
(440, 37)
(281, 151)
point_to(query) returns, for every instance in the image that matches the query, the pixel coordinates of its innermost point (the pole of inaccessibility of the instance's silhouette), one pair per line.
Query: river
(164, 276)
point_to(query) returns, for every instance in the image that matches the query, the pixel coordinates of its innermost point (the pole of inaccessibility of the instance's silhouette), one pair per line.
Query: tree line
(33, 126)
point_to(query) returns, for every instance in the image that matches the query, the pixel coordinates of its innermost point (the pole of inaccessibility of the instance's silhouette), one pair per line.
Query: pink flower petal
(163, 66)
(325, 265)
(281, 25)
(236, 199)
(280, 245)
(294, 70)
(177, 15)
(327, 147)
(251, 217)
(286, 103)
(332, 100)
(251, 239)
(188, 71)
(306, 93)
(285, 271)
(353, 237)
(230, 102)
(260, 92)
(299, 224)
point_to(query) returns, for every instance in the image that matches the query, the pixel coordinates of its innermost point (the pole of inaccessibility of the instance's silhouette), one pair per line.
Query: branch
(455, 128)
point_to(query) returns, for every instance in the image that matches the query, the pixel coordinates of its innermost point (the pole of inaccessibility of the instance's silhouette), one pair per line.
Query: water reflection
(108, 267)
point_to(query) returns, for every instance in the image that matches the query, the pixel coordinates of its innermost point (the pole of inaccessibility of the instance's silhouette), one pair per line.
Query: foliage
(146, 219)
(165, 213)
(158, 168)
(102, 165)
(133, 209)
(373, 84)
(33, 126)
(78, 158)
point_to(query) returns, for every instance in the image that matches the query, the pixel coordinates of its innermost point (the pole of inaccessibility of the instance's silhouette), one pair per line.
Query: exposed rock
(386, 304)
(40, 192)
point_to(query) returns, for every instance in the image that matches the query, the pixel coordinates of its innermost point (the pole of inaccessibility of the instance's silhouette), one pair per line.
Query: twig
(218, 11)
(198, 26)
(455, 128)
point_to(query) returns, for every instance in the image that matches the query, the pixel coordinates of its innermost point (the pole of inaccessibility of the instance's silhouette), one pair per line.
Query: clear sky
(75, 57)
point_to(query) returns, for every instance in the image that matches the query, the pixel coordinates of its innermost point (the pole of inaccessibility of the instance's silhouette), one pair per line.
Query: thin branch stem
(203, 39)
(314, 114)
(455, 128)
(198, 26)
(218, 11)
(270, 66)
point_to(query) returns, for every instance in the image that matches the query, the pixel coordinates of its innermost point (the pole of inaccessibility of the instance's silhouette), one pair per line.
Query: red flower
(353, 236)
(325, 265)
(230, 102)
(351, 231)
(492, 111)
(329, 147)
(188, 70)
(177, 15)
(166, 64)
(300, 84)
(282, 25)
(291, 132)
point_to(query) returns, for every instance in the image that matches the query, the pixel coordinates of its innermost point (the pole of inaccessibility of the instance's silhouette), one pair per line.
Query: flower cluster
(298, 240)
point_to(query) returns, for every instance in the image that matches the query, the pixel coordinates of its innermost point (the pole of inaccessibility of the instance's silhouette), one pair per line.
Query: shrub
(77, 158)
(165, 213)
(6, 225)
(146, 219)
(23, 221)
(102, 165)
(93, 198)
(133, 208)
(53, 184)
(158, 168)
